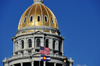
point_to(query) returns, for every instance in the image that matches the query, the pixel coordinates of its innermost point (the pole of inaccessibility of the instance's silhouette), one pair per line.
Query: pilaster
(25, 43)
(51, 45)
(33, 44)
(56, 45)
(42, 42)
(19, 45)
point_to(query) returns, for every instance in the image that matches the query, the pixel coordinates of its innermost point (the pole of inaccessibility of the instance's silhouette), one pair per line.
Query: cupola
(38, 17)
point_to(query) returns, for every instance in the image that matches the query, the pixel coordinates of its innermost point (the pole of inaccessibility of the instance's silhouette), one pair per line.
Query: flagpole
(44, 63)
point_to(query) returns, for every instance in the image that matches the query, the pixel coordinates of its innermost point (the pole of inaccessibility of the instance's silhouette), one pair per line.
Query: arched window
(60, 46)
(54, 44)
(31, 18)
(52, 20)
(22, 42)
(46, 19)
(30, 42)
(47, 43)
(38, 42)
(38, 18)
(24, 19)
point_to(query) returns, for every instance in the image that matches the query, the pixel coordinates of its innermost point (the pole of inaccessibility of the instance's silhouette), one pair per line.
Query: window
(54, 44)
(46, 43)
(31, 18)
(38, 42)
(59, 46)
(46, 19)
(22, 44)
(38, 18)
(21, 52)
(52, 20)
(29, 52)
(16, 53)
(30, 42)
(24, 19)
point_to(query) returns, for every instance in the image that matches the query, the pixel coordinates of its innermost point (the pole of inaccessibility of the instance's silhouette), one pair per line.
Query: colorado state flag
(45, 58)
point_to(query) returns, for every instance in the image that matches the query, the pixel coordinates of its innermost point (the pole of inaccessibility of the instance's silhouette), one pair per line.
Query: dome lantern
(35, 1)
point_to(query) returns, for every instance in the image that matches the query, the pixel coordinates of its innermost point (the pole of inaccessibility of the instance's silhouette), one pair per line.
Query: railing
(32, 54)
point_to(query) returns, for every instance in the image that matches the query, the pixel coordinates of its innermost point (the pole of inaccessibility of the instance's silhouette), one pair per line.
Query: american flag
(44, 50)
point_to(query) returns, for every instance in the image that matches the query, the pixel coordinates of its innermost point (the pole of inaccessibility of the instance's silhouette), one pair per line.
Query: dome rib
(42, 15)
(35, 15)
(47, 15)
(28, 15)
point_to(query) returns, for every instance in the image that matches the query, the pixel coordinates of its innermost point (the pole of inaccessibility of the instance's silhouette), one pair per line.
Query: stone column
(19, 44)
(22, 64)
(33, 44)
(56, 45)
(25, 43)
(51, 46)
(62, 46)
(32, 63)
(54, 64)
(15, 46)
(42, 42)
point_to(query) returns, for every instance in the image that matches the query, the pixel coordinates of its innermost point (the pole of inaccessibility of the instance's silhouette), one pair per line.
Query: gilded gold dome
(38, 16)
(36, 10)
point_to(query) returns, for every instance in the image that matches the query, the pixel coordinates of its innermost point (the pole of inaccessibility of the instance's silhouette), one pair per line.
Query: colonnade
(33, 64)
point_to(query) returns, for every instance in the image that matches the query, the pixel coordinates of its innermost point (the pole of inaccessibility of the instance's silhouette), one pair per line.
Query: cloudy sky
(79, 23)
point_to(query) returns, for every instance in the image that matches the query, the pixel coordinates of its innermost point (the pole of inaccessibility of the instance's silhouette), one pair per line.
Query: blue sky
(79, 23)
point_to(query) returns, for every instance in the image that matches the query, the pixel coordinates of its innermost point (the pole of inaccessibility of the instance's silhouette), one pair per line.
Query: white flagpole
(44, 63)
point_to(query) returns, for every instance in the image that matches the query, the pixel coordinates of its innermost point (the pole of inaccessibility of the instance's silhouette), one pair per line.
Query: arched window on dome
(38, 42)
(24, 19)
(52, 20)
(54, 44)
(46, 43)
(31, 18)
(46, 19)
(22, 42)
(29, 43)
(38, 18)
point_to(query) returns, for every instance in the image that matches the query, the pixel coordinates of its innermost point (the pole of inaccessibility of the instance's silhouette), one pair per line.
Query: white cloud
(81, 65)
